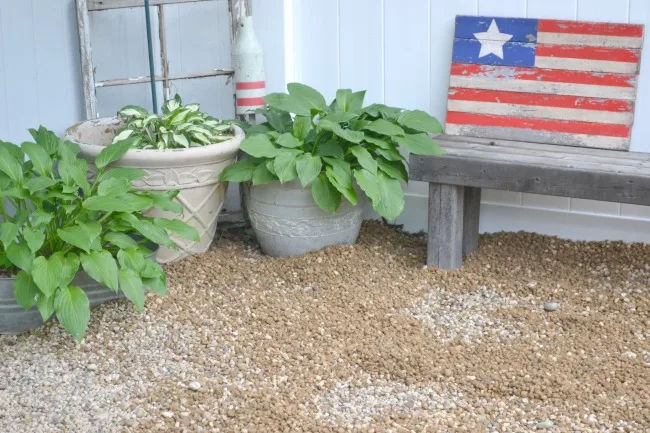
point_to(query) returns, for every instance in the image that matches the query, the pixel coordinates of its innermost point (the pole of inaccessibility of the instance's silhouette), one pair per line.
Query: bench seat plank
(537, 168)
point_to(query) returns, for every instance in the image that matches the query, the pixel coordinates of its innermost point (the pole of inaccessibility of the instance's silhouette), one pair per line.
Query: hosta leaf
(330, 148)
(341, 117)
(146, 228)
(113, 152)
(123, 135)
(113, 187)
(101, 267)
(390, 201)
(368, 183)
(154, 278)
(285, 167)
(420, 121)
(10, 166)
(80, 235)
(8, 233)
(178, 227)
(39, 157)
(132, 110)
(182, 140)
(128, 202)
(120, 240)
(259, 146)
(308, 168)
(131, 258)
(73, 310)
(25, 290)
(307, 96)
(346, 134)
(34, 239)
(73, 172)
(40, 217)
(365, 159)
(69, 269)
(288, 140)
(241, 171)
(40, 183)
(341, 171)
(394, 169)
(20, 255)
(279, 120)
(262, 175)
(48, 273)
(45, 306)
(326, 196)
(348, 101)
(344, 188)
(165, 201)
(383, 144)
(384, 127)
(131, 286)
(390, 154)
(129, 174)
(288, 103)
(301, 127)
(419, 144)
(14, 150)
(46, 139)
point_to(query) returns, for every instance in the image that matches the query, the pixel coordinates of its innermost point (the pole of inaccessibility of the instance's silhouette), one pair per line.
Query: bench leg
(471, 214)
(445, 239)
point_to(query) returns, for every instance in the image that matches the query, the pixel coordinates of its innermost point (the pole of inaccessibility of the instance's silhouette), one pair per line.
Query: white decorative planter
(287, 222)
(194, 171)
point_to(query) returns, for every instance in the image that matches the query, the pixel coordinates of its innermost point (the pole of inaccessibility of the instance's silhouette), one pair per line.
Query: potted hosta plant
(67, 244)
(310, 163)
(182, 149)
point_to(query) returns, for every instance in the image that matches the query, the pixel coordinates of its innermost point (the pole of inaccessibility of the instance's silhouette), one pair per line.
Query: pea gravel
(359, 338)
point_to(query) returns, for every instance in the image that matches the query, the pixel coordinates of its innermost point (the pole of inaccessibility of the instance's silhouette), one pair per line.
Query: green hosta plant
(54, 223)
(179, 126)
(333, 147)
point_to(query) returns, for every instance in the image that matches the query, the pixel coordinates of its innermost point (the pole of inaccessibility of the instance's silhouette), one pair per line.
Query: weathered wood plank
(85, 52)
(102, 5)
(620, 157)
(147, 79)
(525, 177)
(445, 236)
(497, 151)
(471, 215)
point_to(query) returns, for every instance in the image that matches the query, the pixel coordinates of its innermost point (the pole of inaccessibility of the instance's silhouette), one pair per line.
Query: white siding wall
(40, 78)
(400, 51)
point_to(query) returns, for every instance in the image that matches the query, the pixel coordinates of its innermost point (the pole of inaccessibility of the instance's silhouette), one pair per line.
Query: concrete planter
(195, 172)
(287, 222)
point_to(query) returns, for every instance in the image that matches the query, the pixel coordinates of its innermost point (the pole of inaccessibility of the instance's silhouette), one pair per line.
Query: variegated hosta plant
(178, 127)
(54, 223)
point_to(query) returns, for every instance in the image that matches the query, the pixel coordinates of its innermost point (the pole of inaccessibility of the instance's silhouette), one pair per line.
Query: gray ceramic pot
(287, 221)
(14, 319)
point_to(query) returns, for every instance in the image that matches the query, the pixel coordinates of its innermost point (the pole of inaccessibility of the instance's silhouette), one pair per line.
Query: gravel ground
(358, 338)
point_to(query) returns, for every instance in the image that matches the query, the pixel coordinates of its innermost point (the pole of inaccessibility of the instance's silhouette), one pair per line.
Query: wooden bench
(521, 127)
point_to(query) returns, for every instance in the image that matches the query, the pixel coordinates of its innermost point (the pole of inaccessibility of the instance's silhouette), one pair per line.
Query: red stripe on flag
(250, 102)
(586, 28)
(570, 127)
(589, 53)
(250, 85)
(544, 100)
(538, 74)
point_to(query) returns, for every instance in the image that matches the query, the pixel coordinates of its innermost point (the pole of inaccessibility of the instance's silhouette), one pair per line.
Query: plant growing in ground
(60, 223)
(332, 147)
(178, 127)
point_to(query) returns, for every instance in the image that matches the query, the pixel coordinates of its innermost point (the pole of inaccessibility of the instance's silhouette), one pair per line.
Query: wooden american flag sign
(546, 81)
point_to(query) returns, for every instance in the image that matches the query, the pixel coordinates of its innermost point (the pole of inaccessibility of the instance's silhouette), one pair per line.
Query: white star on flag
(492, 41)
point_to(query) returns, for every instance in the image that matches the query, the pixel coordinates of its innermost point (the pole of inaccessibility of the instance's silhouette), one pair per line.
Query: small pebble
(194, 386)
(167, 414)
(91, 367)
(551, 306)
(545, 425)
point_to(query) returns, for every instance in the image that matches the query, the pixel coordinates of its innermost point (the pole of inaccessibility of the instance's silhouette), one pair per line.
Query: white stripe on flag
(504, 133)
(586, 65)
(540, 112)
(589, 40)
(587, 90)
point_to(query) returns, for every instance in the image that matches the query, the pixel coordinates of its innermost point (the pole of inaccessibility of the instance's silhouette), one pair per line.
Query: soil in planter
(360, 338)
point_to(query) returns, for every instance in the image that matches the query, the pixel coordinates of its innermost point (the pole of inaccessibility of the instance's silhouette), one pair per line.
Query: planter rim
(155, 157)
